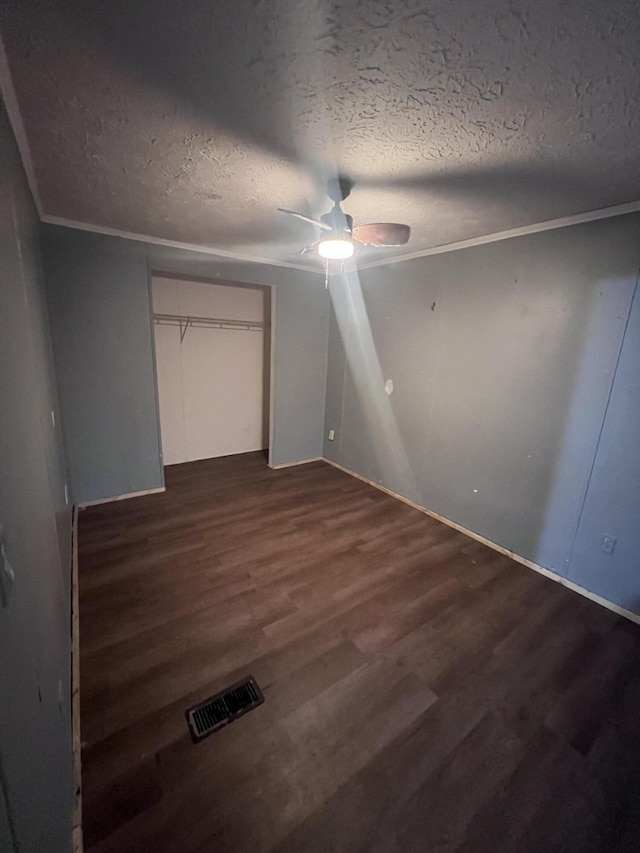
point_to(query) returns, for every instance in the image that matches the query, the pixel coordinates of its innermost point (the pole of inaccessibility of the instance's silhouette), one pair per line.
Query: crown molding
(498, 236)
(536, 228)
(174, 244)
(7, 91)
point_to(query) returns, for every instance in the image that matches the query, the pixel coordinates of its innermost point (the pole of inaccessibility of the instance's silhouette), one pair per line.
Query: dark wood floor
(423, 693)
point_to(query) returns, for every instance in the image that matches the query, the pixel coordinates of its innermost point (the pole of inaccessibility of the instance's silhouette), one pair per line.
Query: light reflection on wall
(363, 364)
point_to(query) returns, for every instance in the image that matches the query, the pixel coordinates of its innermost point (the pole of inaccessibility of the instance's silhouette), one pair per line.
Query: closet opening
(213, 343)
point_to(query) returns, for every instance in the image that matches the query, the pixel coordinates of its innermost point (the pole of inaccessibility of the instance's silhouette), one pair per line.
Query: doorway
(213, 367)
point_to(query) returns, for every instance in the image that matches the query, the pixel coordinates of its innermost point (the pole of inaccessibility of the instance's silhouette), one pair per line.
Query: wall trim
(77, 840)
(15, 120)
(189, 278)
(299, 462)
(15, 117)
(535, 228)
(495, 237)
(272, 372)
(592, 596)
(173, 244)
(85, 504)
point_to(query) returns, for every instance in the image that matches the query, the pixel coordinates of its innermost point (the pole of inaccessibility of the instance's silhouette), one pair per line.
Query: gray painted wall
(502, 359)
(300, 357)
(98, 294)
(612, 504)
(36, 787)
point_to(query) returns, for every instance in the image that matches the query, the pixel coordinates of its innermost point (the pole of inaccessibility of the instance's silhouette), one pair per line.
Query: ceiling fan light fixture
(336, 248)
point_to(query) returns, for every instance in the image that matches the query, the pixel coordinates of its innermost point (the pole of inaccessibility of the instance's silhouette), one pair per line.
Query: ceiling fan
(339, 239)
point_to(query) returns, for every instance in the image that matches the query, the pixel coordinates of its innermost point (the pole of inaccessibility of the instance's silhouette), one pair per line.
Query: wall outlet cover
(332, 434)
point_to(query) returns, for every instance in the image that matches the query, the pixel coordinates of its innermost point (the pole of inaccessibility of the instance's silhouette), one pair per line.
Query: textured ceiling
(192, 121)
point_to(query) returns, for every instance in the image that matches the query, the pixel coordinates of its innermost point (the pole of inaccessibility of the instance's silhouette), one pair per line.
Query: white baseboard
(299, 462)
(616, 608)
(85, 504)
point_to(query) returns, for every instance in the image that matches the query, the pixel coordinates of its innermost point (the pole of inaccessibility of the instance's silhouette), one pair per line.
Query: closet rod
(206, 323)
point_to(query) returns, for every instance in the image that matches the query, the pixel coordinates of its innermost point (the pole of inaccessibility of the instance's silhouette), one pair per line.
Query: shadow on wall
(502, 360)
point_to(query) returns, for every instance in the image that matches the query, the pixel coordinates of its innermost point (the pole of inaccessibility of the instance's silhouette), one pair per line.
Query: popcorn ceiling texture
(194, 120)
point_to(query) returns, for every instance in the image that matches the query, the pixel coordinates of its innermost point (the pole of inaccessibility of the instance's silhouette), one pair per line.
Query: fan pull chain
(326, 275)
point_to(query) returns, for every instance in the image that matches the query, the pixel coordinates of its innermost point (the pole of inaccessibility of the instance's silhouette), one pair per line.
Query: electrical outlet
(332, 434)
(608, 544)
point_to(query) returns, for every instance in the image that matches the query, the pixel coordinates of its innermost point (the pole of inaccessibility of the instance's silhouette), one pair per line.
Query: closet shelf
(183, 322)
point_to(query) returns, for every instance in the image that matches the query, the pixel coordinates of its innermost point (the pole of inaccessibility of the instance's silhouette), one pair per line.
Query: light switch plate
(608, 543)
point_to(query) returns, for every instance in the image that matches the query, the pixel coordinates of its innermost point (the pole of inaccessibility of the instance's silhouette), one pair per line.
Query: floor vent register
(213, 714)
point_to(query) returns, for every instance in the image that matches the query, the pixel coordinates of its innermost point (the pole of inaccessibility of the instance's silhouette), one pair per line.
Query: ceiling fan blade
(304, 218)
(310, 248)
(382, 234)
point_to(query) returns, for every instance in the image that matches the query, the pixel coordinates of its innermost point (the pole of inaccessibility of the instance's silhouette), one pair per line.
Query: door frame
(271, 290)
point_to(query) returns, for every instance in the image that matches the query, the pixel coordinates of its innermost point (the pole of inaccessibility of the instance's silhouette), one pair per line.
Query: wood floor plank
(422, 692)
